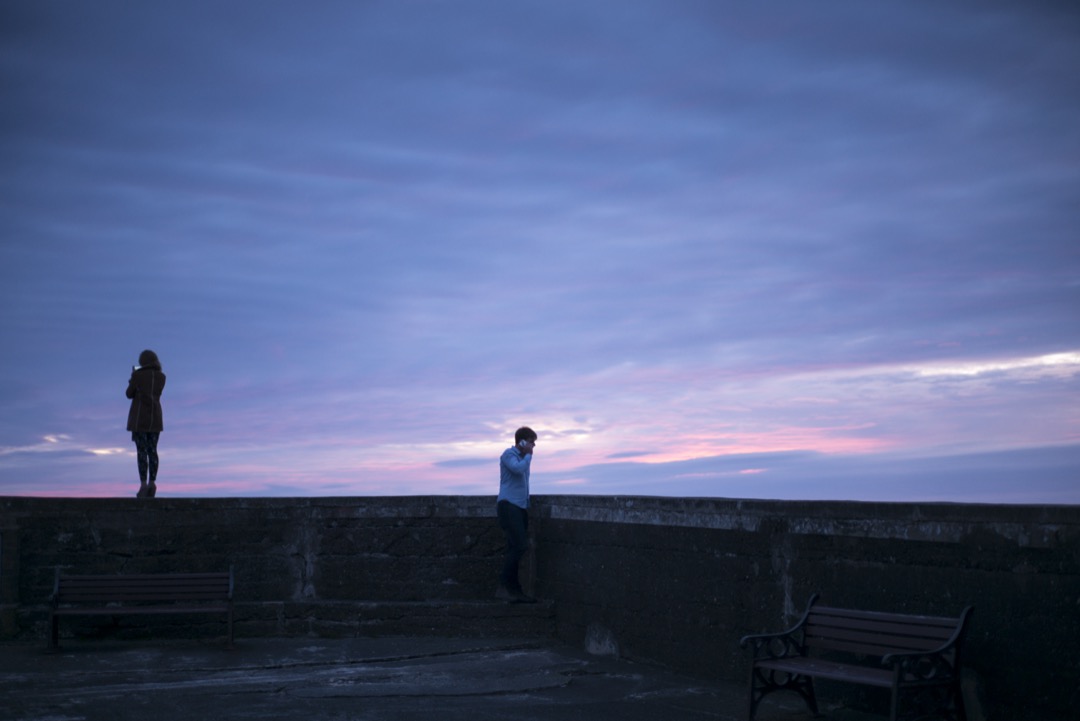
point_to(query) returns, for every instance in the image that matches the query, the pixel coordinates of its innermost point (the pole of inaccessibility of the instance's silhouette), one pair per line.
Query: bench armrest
(921, 665)
(937, 663)
(774, 645)
(780, 645)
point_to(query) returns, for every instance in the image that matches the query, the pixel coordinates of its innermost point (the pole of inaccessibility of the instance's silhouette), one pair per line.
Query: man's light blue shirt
(514, 477)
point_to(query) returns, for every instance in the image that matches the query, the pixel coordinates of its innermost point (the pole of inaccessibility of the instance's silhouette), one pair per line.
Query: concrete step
(438, 617)
(480, 619)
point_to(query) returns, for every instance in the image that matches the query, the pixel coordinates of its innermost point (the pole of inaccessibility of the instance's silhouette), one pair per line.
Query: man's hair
(524, 434)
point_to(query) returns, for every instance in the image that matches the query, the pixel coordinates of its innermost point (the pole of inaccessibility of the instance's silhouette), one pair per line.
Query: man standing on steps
(513, 510)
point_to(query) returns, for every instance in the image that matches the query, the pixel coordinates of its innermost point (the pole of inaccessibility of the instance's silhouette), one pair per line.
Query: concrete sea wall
(326, 566)
(681, 580)
(664, 580)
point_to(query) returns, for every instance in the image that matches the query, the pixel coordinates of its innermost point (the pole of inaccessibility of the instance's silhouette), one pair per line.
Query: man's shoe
(520, 597)
(142, 490)
(151, 490)
(504, 594)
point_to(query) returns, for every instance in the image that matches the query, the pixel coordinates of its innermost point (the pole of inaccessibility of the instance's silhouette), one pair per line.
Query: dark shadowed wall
(666, 580)
(682, 580)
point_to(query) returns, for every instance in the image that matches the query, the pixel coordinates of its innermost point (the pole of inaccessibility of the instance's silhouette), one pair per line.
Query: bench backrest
(875, 633)
(144, 587)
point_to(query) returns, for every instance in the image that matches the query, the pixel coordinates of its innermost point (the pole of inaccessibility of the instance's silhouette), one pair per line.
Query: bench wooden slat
(120, 590)
(893, 625)
(121, 582)
(143, 576)
(850, 613)
(861, 648)
(138, 610)
(897, 641)
(874, 642)
(139, 596)
(134, 592)
(832, 670)
(67, 584)
(900, 641)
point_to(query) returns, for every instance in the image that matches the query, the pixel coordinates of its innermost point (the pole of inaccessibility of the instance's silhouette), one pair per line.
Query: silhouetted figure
(513, 511)
(144, 418)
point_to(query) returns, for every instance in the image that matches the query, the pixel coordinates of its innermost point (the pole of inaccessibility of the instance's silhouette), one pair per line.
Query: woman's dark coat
(144, 390)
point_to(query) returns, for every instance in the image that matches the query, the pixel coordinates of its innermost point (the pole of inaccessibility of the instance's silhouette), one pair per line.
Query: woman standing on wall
(144, 418)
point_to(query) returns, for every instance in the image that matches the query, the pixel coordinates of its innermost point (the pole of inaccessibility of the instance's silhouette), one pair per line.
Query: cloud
(1054, 364)
(465, 463)
(366, 251)
(58, 444)
(970, 478)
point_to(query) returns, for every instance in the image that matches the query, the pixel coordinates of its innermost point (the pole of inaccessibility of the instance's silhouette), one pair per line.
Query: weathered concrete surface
(672, 581)
(385, 679)
(679, 581)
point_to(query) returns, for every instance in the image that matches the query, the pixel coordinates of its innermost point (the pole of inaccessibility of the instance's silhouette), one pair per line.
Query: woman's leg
(142, 458)
(151, 455)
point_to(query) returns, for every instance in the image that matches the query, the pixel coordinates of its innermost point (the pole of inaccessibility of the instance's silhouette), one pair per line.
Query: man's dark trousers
(515, 524)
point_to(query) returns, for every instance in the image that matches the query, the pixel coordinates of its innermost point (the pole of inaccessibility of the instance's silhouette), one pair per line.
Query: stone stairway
(457, 618)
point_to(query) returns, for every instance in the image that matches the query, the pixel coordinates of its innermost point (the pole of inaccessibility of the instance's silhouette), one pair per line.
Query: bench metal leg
(763, 683)
(941, 701)
(958, 696)
(752, 702)
(54, 632)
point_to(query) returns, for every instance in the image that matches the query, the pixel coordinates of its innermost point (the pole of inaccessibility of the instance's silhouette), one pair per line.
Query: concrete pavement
(359, 679)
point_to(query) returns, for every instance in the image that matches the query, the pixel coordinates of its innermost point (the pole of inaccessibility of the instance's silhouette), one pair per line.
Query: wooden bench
(154, 593)
(916, 657)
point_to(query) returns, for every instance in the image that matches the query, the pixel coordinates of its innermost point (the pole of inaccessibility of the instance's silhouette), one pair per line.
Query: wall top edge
(567, 499)
(585, 507)
(1025, 526)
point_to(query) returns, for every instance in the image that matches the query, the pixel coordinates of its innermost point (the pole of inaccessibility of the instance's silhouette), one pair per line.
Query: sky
(783, 250)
